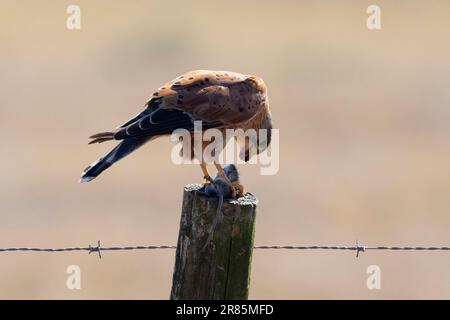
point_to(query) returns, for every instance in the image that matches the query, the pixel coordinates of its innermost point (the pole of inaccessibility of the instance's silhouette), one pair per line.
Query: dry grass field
(364, 142)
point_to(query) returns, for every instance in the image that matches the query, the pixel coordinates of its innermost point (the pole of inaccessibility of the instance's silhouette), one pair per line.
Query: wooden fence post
(221, 270)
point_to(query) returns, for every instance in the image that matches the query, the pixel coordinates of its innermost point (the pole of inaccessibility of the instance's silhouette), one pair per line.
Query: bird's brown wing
(217, 98)
(207, 95)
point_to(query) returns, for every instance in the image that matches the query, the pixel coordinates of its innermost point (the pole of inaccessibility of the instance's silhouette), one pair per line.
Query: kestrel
(220, 99)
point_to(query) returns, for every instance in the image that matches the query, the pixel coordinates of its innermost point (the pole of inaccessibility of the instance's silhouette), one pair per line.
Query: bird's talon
(238, 189)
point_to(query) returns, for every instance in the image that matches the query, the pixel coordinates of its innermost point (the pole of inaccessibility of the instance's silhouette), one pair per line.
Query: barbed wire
(358, 248)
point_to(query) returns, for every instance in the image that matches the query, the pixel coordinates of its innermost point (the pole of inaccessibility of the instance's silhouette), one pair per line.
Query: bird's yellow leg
(221, 172)
(238, 189)
(206, 175)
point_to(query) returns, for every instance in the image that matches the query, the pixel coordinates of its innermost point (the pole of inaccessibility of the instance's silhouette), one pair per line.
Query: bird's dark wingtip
(85, 179)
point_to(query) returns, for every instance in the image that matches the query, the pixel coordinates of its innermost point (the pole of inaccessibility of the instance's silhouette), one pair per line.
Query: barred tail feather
(120, 151)
(102, 137)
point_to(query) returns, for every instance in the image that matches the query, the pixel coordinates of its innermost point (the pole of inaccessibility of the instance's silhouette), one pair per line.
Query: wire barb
(96, 249)
(359, 248)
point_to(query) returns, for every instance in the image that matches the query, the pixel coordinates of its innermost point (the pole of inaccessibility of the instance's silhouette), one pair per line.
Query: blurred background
(364, 133)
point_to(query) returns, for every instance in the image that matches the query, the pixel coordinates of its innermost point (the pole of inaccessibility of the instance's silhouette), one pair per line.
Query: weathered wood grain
(221, 270)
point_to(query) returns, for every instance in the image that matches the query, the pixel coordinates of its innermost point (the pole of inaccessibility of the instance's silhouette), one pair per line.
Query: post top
(248, 199)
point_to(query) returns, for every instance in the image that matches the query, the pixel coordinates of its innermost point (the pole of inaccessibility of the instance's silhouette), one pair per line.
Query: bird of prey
(220, 99)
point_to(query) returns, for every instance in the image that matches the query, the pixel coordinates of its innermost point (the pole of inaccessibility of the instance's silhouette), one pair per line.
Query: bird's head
(261, 143)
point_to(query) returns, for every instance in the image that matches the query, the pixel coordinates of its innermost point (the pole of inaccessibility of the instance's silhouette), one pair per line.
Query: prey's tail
(120, 151)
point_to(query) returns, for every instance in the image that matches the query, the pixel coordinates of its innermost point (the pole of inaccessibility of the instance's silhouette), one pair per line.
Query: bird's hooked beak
(244, 154)
(247, 153)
